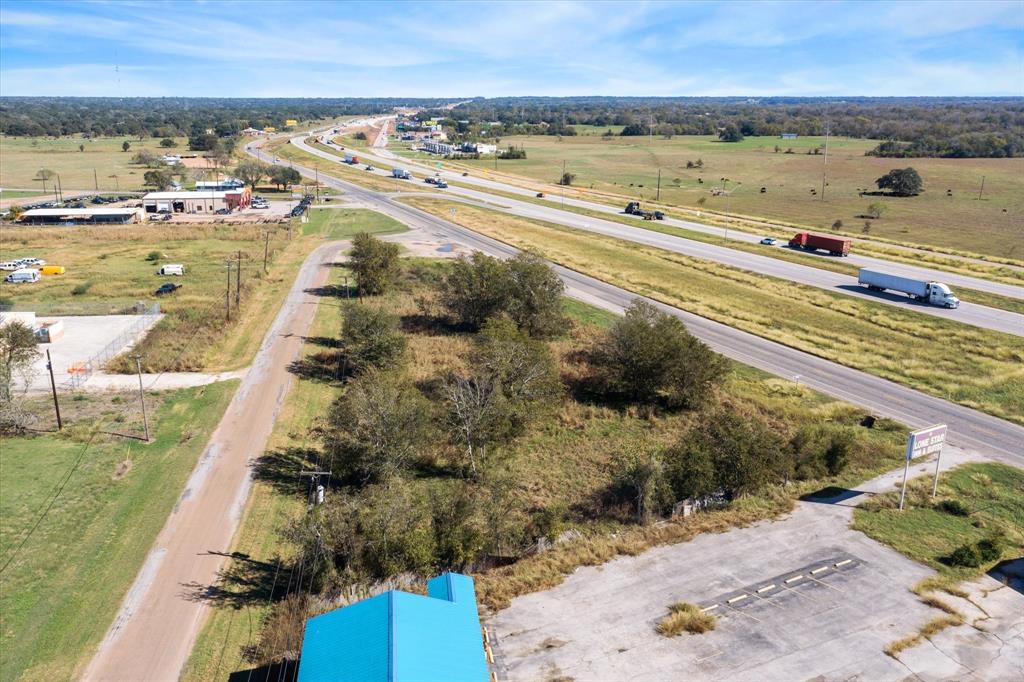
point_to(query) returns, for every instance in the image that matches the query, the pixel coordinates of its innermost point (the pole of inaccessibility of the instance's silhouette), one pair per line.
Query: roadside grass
(628, 167)
(62, 590)
(975, 502)
(979, 368)
(995, 271)
(565, 461)
(20, 194)
(685, 617)
(342, 223)
(25, 156)
(990, 492)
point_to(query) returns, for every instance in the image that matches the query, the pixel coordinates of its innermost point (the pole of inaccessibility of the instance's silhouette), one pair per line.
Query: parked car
(260, 205)
(10, 265)
(23, 276)
(223, 211)
(167, 288)
(769, 241)
(26, 262)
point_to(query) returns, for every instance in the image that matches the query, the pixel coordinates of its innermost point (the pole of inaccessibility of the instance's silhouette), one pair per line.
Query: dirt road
(159, 619)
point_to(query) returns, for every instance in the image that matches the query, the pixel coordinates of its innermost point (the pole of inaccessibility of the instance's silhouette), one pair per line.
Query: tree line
(926, 126)
(177, 116)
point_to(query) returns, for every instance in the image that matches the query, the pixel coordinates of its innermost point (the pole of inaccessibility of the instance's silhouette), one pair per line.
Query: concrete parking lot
(846, 598)
(84, 337)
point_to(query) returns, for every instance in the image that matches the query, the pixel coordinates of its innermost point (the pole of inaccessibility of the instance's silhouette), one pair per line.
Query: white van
(171, 269)
(23, 276)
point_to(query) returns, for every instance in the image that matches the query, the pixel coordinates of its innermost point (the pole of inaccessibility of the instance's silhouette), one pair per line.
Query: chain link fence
(80, 372)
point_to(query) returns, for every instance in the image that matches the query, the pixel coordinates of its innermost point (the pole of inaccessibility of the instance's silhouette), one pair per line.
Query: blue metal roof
(399, 637)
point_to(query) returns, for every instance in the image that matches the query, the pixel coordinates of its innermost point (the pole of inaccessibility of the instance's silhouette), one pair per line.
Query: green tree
(144, 157)
(251, 172)
(641, 475)
(378, 427)
(284, 176)
(458, 537)
(374, 263)
(567, 179)
(126, 145)
(901, 182)
(43, 175)
(649, 356)
(370, 338)
(81, 147)
(160, 178)
(536, 296)
(168, 143)
(18, 353)
(876, 209)
(730, 133)
(726, 453)
(476, 289)
(478, 417)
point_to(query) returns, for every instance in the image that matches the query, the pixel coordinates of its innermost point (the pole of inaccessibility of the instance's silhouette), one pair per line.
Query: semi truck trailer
(351, 159)
(935, 293)
(837, 246)
(400, 173)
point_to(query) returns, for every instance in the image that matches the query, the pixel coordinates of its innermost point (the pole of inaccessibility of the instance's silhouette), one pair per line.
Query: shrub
(953, 507)
(82, 288)
(685, 617)
(374, 263)
(153, 256)
(966, 555)
(370, 338)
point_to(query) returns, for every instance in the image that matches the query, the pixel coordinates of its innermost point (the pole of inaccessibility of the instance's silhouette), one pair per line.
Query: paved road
(153, 633)
(904, 270)
(967, 313)
(969, 428)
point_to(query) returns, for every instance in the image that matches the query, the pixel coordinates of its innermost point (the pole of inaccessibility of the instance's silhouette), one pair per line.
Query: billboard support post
(920, 443)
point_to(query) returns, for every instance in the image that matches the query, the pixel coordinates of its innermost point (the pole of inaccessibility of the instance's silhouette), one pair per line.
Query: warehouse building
(205, 201)
(442, 148)
(400, 637)
(80, 216)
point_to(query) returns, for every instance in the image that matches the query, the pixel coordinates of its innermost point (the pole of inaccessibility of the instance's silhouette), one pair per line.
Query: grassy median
(978, 368)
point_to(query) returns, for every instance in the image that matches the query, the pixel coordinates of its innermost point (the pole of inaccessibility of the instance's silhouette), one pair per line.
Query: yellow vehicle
(51, 270)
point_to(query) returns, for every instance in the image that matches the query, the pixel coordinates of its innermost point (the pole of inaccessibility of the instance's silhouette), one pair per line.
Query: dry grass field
(628, 166)
(983, 370)
(22, 157)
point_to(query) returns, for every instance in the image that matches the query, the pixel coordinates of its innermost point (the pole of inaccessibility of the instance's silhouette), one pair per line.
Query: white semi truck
(400, 173)
(935, 293)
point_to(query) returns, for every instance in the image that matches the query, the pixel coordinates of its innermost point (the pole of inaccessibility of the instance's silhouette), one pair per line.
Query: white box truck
(400, 173)
(935, 293)
(171, 269)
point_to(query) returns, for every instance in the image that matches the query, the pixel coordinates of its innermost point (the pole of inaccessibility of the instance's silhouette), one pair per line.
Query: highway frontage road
(968, 313)
(159, 619)
(971, 429)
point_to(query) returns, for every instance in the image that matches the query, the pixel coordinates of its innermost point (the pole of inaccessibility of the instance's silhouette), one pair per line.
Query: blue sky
(456, 49)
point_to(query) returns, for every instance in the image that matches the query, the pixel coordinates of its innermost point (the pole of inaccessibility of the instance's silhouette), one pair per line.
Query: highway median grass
(63, 587)
(978, 368)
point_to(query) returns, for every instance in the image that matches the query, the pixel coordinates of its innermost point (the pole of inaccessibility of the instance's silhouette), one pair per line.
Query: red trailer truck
(837, 246)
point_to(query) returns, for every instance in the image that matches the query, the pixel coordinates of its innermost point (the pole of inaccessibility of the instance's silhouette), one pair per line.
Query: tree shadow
(1011, 573)
(324, 367)
(437, 325)
(243, 582)
(280, 468)
(286, 671)
(833, 495)
(323, 341)
(333, 291)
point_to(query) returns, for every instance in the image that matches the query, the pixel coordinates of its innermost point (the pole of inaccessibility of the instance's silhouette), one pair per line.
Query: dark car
(167, 288)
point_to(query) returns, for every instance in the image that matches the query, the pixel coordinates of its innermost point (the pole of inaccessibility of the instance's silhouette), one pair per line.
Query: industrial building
(442, 148)
(204, 201)
(399, 637)
(80, 216)
(219, 185)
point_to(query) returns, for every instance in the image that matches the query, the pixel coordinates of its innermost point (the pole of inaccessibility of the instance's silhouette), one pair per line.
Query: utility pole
(824, 166)
(266, 248)
(238, 282)
(227, 294)
(53, 387)
(95, 181)
(316, 491)
(142, 397)
(658, 196)
(60, 188)
(980, 191)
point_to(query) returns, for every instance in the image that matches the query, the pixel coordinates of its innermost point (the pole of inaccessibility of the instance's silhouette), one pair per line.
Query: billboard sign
(926, 441)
